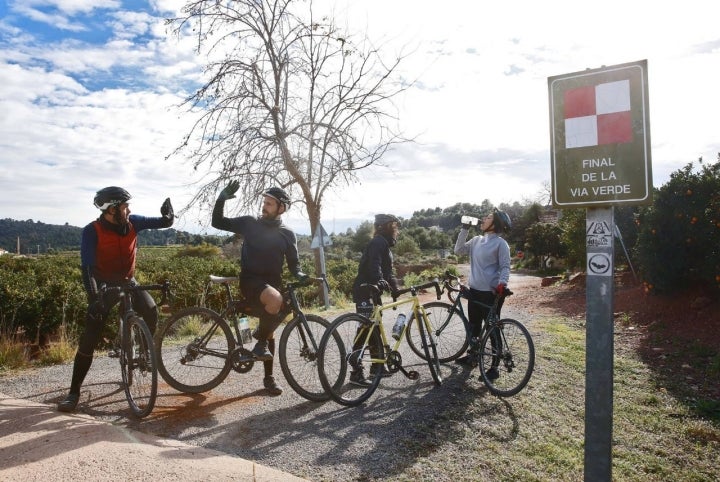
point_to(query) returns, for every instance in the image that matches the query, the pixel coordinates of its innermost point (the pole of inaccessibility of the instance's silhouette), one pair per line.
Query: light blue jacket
(489, 259)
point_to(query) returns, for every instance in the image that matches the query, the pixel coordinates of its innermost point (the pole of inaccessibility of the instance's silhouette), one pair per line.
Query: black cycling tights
(143, 304)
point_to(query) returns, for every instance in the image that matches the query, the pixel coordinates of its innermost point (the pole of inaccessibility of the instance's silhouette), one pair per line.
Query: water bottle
(398, 326)
(471, 220)
(245, 333)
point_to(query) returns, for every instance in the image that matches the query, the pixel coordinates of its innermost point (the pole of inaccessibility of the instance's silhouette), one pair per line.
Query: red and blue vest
(114, 254)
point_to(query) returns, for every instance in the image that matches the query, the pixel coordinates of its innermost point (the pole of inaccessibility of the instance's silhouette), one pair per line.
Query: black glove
(96, 305)
(466, 226)
(229, 191)
(166, 210)
(383, 285)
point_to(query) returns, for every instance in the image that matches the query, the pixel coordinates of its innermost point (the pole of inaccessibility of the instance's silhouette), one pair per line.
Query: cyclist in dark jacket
(108, 251)
(375, 268)
(267, 242)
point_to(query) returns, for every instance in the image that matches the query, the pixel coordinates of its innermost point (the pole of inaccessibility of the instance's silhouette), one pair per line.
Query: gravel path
(396, 435)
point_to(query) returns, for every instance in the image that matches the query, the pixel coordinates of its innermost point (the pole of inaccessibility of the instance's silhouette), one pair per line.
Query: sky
(91, 91)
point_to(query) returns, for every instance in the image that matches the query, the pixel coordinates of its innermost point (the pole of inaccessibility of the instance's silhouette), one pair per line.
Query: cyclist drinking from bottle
(267, 242)
(489, 271)
(107, 256)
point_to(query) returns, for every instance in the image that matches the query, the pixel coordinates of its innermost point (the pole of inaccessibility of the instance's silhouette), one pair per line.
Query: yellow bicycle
(354, 343)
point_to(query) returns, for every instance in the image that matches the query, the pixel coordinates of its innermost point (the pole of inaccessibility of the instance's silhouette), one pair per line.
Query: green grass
(539, 434)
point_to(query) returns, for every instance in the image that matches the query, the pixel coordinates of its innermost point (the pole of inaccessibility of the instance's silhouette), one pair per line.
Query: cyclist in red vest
(107, 256)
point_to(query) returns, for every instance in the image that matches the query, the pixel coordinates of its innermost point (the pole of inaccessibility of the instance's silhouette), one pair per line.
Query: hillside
(37, 237)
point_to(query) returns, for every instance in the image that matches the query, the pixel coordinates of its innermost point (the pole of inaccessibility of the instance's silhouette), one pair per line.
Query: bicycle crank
(394, 364)
(240, 361)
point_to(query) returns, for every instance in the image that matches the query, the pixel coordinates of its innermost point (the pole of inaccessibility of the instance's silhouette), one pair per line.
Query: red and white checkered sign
(598, 114)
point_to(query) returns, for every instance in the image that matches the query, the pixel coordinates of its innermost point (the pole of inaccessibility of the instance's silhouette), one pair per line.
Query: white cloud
(77, 116)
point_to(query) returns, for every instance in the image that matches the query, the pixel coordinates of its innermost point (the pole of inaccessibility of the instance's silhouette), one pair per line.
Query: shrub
(679, 235)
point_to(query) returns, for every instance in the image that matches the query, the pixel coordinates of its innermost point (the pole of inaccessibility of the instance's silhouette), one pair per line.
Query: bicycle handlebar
(396, 294)
(164, 287)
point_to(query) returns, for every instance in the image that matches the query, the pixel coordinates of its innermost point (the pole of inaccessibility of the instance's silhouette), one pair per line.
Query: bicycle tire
(138, 365)
(337, 355)
(299, 356)
(447, 323)
(194, 350)
(514, 360)
(430, 349)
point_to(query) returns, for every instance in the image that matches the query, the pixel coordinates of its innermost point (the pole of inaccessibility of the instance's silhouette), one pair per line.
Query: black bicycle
(198, 347)
(134, 348)
(504, 351)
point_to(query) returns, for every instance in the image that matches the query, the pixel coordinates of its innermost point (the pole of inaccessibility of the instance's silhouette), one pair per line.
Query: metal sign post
(319, 241)
(600, 156)
(599, 344)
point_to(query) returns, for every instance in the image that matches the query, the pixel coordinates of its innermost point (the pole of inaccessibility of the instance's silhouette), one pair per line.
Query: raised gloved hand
(383, 285)
(500, 289)
(166, 210)
(229, 191)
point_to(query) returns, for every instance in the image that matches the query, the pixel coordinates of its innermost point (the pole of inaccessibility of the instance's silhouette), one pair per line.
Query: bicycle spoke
(346, 350)
(299, 346)
(448, 330)
(138, 366)
(194, 350)
(507, 358)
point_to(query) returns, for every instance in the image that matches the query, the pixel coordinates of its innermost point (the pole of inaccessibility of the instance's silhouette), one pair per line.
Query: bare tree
(289, 101)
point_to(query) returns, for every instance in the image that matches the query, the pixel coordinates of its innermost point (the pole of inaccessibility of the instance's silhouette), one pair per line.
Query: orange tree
(679, 235)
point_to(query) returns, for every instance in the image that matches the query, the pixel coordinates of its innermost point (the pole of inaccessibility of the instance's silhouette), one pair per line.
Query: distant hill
(38, 237)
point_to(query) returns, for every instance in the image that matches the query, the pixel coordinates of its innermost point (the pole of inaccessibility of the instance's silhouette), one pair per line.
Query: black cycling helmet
(383, 219)
(501, 221)
(279, 195)
(110, 196)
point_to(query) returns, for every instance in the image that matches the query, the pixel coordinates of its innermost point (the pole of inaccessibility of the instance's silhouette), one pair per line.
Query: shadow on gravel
(403, 420)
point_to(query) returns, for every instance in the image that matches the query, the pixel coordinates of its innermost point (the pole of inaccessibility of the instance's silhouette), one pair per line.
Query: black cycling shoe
(357, 378)
(271, 385)
(492, 374)
(70, 402)
(261, 352)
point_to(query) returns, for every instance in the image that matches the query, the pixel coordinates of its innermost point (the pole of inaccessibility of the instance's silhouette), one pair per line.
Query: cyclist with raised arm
(267, 243)
(108, 251)
(375, 268)
(489, 270)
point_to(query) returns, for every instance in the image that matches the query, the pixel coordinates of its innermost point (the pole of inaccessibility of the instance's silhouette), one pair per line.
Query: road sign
(600, 137)
(321, 238)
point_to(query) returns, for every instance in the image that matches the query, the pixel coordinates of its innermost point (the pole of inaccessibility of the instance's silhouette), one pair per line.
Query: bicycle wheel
(138, 366)
(299, 345)
(346, 348)
(448, 327)
(430, 349)
(508, 349)
(194, 350)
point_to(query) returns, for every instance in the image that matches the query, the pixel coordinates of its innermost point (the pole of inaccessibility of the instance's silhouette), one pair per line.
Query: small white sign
(321, 238)
(599, 264)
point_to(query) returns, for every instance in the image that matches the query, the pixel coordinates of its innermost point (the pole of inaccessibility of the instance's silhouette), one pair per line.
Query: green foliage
(679, 235)
(362, 236)
(572, 224)
(406, 246)
(543, 240)
(203, 250)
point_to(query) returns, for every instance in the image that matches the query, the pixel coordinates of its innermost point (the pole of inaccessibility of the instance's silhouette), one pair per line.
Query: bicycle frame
(492, 315)
(242, 306)
(417, 310)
